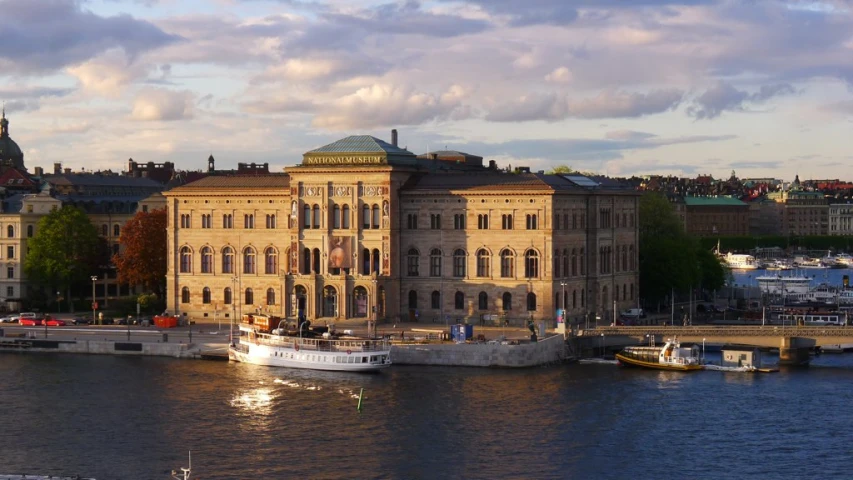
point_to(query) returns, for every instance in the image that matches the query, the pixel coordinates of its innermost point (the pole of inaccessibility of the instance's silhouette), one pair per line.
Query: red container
(165, 322)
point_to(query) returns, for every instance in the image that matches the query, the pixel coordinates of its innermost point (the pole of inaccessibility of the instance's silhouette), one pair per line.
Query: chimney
(493, 165)
(39, 172)
(394, 137)
(67, 171)
(57, 168)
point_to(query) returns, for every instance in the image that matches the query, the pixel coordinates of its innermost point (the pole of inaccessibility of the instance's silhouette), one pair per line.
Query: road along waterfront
(136, 417)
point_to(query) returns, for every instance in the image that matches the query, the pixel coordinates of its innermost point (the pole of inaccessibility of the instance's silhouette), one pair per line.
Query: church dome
(9, 150)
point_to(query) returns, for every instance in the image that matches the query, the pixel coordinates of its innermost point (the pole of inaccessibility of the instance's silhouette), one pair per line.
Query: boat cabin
(741, 356)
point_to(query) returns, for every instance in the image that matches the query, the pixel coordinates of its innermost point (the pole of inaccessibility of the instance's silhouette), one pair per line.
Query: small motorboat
(670, 356)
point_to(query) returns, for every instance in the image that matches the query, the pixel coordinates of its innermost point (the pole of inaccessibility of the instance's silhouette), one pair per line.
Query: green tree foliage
(65, 251)
(142, 260)
(669, 258)
(561, 170)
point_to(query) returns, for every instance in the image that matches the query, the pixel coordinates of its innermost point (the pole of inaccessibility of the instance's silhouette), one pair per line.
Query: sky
(616, 87)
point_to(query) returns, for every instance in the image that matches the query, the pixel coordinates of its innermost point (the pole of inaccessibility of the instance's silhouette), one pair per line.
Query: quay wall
(102, 347)
(549, 350)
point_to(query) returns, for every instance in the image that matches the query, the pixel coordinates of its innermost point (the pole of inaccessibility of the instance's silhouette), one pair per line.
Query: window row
(459, 301)
(206, 296)
(483, 263)
(228, 266)
(227, 221)
(569, 265)
(507, 223)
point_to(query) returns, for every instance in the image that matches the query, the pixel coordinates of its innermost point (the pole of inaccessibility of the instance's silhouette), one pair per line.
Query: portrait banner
(340, 252)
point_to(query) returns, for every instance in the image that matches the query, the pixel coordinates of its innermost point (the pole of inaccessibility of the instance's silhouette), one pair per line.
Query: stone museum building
(362, 228)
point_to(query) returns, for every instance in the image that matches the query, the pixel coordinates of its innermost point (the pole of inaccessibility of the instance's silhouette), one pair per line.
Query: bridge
(793, 342)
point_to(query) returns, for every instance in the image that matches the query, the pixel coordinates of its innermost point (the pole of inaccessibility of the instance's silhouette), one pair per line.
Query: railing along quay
(725, 331)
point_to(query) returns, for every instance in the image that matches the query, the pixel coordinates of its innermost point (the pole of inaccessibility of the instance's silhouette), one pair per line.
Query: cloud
(724, 96)
(559, 75)
(282, 104)
(389, 105)
(28, 98)
(70, 128)
(107, 75)
(153, 104)
(607, 104)
(628, 135)
(407, 18)
(321, 68)
(45, 35)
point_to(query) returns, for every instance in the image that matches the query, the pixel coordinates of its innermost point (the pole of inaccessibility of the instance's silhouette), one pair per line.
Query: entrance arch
(301, 301)
(360, 302)
(330, 302)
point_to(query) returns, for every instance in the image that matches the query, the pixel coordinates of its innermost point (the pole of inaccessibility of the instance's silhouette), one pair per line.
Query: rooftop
(712, 201)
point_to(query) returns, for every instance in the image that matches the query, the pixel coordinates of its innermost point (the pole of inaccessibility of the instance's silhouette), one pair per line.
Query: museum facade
(365, 229)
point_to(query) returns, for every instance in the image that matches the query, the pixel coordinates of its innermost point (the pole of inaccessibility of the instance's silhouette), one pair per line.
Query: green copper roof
(711, 201)
(361, 144)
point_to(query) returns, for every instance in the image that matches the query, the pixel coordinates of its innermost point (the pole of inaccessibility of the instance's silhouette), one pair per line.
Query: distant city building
(805, 212)
(716, 216)
(840, 219)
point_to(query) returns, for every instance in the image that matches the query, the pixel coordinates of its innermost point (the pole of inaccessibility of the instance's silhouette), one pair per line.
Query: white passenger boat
(792, 287)
(316, 349)
(741, 261)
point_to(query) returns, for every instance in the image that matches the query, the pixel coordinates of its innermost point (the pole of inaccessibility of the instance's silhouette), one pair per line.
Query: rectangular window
(412, 265)
(459, 221)
(434, 266)
(10, 291)
(10, 272)
(435, 221)
(10, 252)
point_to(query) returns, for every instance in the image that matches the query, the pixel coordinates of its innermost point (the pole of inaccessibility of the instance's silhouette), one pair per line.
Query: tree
(142, 260)
(561, 170)
(64, 251)
(670, 260)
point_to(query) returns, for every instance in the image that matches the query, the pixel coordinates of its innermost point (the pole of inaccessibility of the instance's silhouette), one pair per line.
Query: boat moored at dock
(319, 348)
(669, 356)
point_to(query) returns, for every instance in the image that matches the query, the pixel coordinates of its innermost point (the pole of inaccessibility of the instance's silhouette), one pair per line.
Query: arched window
(365, 262)
(10, 231)
(306, 260)
(459, 263)
(506, 300)
(483, 301)
(435, 300)
(336, 216)
(226, 296)
(227, 260)
(270, 261)
(435, 263)
(376, 216)
(345, 217)
(412, 260)
(316, 214)
(315, 263)
(483, 262)
(270, 296)
(507, 263)
(574, 262)
(375, 260)
(531, 264)
(206, 260)
(186, 260)
(205, 295)
(583, 262)
(29, 231)
(250, 297)
(459, 301)
(185, 295)
(249, 260)
(413, 299)
(632, 258)
(306, 216)
(116, 230)
(557, 264)
(605, 298)
(365, 216)
(531, 302)
(105, 230)
(574, 299)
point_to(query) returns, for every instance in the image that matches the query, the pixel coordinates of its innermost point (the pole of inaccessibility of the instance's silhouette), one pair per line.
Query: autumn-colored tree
(64, 251)
(142, 260)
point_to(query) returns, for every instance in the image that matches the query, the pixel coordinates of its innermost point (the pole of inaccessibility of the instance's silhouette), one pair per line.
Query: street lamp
(375, 302)
(703, 350)
(602, 345)
(94, 301)
(563, 284)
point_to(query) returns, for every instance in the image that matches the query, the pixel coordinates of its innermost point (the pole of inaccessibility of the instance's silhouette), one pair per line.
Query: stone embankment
(547, 351)
(100, 347)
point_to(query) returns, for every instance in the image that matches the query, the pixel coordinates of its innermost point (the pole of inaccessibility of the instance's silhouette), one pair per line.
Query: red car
(55, 322)
(32, 322)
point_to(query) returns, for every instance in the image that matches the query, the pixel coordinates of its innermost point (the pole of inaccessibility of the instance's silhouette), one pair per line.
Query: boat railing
(324, 344)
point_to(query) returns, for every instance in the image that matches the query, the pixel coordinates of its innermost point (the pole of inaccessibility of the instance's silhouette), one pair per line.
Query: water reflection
(255, 401)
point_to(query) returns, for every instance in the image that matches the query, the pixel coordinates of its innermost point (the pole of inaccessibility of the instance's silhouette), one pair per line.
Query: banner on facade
(340, 252)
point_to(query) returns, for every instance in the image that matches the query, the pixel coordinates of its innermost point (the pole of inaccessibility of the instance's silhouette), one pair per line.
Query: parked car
(55, 322)
(10, 319)
(107, 321)
(79, 321)
(31, 322)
